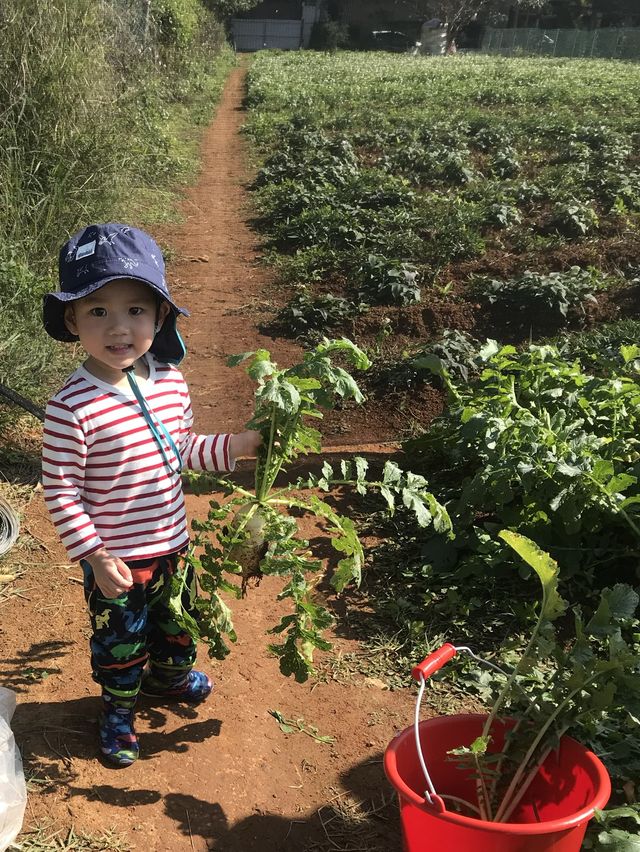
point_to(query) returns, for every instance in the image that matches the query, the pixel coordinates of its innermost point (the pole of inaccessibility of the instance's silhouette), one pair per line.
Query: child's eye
(135, 312)
(98, 312)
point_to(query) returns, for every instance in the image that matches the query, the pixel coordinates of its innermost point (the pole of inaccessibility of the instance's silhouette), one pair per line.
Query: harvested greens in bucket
(558, 686)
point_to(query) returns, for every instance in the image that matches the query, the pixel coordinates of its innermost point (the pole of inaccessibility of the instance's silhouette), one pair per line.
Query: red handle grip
(433, 662)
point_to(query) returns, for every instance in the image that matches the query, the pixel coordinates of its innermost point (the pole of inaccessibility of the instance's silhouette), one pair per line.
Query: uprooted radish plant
(253, 533)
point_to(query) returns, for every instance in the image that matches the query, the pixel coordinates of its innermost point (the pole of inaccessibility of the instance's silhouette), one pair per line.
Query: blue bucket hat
(99, 254)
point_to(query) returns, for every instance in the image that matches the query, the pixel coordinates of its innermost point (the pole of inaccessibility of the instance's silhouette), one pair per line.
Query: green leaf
(545, 567)
(480, 745)
(391, 474)
(490, 348)
(236, 360)
(357, 356)
(285, 727)
(389, 498)
(568, 469)
(415, 501)
(623, 812)
(619, 483)
(630, 353)
(362, 465)
(348, 570)
(284, 395)
(430, 363)
(623, 601)
(618, 840)
(616, 604)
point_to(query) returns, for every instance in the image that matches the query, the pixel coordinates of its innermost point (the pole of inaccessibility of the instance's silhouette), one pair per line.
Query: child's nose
(118, 324)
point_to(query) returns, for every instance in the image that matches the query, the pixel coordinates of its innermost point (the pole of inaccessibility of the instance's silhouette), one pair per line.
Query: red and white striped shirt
(105, 481)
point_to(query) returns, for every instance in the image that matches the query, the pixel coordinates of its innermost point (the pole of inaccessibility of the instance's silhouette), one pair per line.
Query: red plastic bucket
(552, 816)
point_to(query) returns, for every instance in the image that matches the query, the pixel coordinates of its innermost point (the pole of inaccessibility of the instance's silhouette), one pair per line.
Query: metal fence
(258, 34)
(609, 43)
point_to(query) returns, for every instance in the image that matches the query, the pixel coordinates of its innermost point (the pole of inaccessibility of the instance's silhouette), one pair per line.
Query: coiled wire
(9, 527)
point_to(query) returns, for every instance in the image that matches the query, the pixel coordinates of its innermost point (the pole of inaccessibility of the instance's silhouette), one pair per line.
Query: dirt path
(217, 273)
(224, 777)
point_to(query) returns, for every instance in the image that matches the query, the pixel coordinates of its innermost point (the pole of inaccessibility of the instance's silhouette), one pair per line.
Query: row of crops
(384, 178)
(506, 193)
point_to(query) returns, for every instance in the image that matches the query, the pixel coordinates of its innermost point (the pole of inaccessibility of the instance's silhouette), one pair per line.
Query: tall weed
(96, 101)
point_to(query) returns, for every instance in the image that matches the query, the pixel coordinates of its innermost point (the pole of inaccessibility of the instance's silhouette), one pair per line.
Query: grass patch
(45, 837)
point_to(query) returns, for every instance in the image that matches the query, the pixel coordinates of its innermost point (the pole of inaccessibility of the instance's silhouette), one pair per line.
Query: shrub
(573, 218)
(555, 291)
(328, 35)
(389, 281)
(305, 314)
(177, 21)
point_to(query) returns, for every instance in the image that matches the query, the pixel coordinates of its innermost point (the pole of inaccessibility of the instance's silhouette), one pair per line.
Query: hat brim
(167, 345)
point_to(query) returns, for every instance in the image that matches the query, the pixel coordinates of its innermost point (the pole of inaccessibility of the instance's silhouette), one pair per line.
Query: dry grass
(355, 826)
(45, 837)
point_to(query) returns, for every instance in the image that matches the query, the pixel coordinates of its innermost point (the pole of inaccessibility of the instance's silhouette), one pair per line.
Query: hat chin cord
(156, 427)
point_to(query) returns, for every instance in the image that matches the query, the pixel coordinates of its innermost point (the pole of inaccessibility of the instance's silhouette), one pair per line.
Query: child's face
(116, 325)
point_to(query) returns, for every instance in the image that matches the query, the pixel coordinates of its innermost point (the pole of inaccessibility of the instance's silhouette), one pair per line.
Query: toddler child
(115, 439)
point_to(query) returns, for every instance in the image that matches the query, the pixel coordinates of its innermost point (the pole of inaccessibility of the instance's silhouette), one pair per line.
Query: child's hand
(112, 575)
(245, 444)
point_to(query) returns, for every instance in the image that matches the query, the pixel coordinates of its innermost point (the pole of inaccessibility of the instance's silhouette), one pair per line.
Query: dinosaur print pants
(138, 627)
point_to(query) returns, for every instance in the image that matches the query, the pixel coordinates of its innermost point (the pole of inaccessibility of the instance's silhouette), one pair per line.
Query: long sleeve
(204, 452)
(64, 456)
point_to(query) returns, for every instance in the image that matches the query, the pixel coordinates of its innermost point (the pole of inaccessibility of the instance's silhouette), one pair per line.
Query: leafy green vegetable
(252, 534)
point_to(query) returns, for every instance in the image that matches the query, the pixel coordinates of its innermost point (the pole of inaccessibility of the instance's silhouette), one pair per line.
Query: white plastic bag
(13, 790)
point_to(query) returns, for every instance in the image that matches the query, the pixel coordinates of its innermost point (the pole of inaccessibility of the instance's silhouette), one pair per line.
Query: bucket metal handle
(430, 665)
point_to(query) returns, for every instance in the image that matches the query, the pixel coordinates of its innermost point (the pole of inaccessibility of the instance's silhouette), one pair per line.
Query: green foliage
(27, 356)
(554, 292)
(425, 165)
(455, 351)
(253, 534)
(614, 829)
(504, 163)
(600, 348)
(573, 218)
(93, 110)
(552, 447)
(514, 159)
(389, 282)
(555, 685)
(504, 215)
(284, 399)
(224, 9)
(304, 314)
(177, 21)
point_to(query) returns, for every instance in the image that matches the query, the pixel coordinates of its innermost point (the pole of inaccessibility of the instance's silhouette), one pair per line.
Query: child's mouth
(119, 350)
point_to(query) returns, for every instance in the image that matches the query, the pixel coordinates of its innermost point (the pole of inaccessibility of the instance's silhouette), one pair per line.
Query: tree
(223, 9)
(457, 13)
(616, 12)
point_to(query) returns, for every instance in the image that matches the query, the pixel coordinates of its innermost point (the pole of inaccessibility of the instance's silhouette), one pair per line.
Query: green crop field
(385, 179)
(472, 222)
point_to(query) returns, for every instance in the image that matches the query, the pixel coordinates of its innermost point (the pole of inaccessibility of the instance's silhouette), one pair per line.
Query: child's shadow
(59, 734)
(62, 731)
